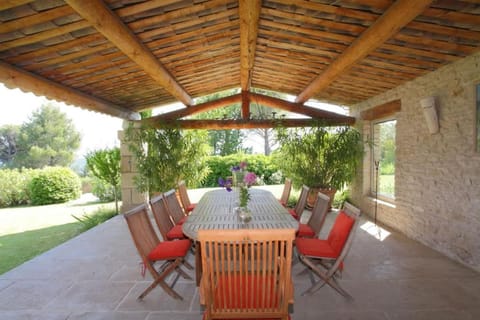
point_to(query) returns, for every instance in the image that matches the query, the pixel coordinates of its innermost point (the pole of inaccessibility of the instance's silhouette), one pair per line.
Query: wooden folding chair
(287, 188)
(325, 257)
(167, 228)
(246, 273)
(312, 228)
(184, 199)
(152, 250)
(297, 211)
(175, 210)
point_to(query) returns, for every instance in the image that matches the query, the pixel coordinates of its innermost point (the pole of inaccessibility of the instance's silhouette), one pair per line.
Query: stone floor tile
(438, 314)
(33, 315)
(175, 316)
(108, 315)
(157, 299)
(92, 295)
(31, 294)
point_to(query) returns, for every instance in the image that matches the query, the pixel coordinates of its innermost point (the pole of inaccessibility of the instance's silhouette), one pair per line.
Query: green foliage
(164, 157)
(105, 165)
(101, 215)
(54, 185)
(263, 166)
(49, 138)
(14, 186)
(340, 198)
(8, 144)
(319, 157)
(105, 191)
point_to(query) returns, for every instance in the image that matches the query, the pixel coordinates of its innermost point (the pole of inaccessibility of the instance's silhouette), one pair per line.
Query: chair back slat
(182, 190)
(302, 201)
(161, 215)
(141, 230)
(287, 188)
(247, 272)
(175, 210)
(319, 213)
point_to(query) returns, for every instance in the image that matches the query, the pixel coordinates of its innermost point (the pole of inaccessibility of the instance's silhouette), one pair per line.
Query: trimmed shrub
(14, 186)
(263, 166)
(54, 185)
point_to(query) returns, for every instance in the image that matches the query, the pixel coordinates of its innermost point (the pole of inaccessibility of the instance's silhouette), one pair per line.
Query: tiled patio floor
(97, 276)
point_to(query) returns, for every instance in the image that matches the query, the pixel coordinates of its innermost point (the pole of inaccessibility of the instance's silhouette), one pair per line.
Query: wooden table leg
(198, 263)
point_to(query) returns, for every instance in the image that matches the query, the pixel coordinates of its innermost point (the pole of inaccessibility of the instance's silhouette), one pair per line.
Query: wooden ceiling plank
(174, 14)
(13, 77)
(396, 17)
(249, 13)
(110, 25)
(44, 35)
(28, 21)
(142, 7)
(8, 4)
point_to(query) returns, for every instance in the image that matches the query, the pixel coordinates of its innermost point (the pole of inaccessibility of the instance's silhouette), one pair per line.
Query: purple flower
(250, 178)
(243, 165)
(227, 184)
(235, 168)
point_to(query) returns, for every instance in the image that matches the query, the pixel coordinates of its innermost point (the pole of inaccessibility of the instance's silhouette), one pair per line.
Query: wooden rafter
(249, 12)
(241, 123)
(381, 111)
(396, 17)
(109, 24)
(13, 77)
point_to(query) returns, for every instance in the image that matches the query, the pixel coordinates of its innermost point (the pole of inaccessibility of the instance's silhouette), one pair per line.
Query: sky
(98, 130)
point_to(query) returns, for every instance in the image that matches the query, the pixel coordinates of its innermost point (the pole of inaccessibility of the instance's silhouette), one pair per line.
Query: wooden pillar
(245, 105)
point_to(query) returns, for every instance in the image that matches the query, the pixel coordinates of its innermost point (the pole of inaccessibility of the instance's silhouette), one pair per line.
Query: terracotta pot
(312, 196)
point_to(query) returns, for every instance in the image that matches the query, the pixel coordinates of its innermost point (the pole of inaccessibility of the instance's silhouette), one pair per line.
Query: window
(383, 158)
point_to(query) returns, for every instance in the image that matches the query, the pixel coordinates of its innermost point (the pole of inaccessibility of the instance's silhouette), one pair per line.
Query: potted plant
(324, 159)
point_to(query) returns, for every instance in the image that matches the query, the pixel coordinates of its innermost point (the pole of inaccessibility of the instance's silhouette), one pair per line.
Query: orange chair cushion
(175, 233)
(339, 233)
(314, 248)
(168, 250)
(293, 213)
(304, 230)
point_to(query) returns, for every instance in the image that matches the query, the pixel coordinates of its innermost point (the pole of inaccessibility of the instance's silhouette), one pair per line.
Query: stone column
(130, 196)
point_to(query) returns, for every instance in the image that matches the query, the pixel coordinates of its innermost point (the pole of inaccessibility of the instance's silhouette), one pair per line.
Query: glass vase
(244, 214)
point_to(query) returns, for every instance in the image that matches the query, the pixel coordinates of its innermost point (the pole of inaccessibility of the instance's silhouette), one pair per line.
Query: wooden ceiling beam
(297, 108)
(249, 13)
(240, 123)
(396, 17)
(381, 111)
(110, 25)
(16, 78)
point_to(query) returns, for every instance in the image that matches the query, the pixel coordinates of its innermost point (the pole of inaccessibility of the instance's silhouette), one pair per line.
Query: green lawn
(26, 232)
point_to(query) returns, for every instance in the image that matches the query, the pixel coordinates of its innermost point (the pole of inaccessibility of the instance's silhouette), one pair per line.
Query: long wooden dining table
(216, 210)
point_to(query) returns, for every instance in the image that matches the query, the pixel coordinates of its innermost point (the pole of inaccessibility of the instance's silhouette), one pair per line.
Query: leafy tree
(8, 144)
(223, 142)
(164, 157)
(105, 165)
(49, 138)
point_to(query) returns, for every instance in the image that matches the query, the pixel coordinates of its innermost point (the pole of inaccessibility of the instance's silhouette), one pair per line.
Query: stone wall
(437, 180)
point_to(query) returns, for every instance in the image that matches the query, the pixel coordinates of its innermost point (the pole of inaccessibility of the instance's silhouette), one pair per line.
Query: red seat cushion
(190, 207)
(339, 233)
(283, 203)
(168, 250)
(314, 248)
(293, 213)
(304, 230)
(175, 233)
(182, 221)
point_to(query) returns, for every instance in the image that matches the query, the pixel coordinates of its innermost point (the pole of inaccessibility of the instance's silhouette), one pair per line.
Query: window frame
(380, 196)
